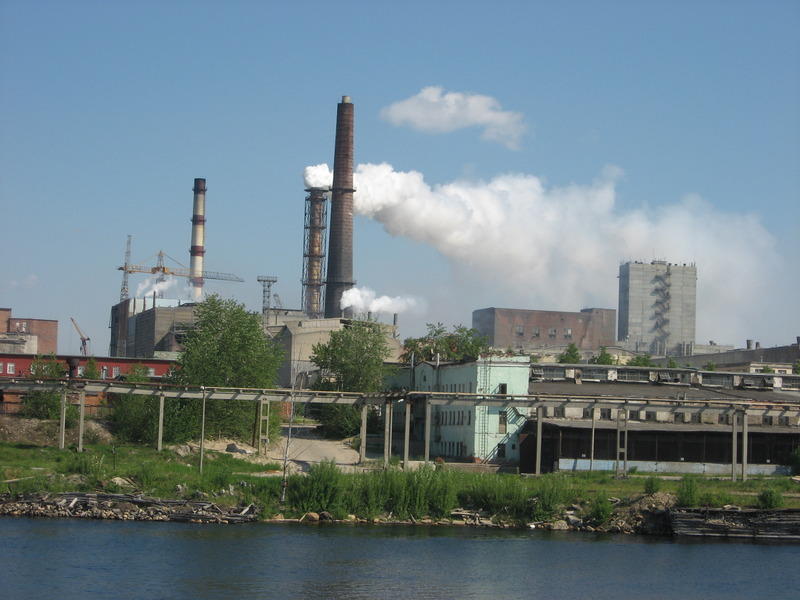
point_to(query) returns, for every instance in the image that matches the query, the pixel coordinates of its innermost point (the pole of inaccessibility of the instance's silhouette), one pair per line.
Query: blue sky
(108, 110)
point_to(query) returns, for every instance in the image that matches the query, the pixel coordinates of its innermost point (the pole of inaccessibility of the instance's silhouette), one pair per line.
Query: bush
(688, 493)
(47, 405)
(340, 420)
(652, 485)
(322, 490)
(770, 498)
(600, 510)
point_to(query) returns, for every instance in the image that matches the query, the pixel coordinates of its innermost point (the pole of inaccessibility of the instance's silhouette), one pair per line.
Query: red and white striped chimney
(198, 249)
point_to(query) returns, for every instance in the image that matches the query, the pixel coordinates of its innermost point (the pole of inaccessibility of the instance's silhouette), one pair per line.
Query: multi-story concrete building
(532, 330)
(149, 327)
(657, 307)
(27, 336)
(469, 433)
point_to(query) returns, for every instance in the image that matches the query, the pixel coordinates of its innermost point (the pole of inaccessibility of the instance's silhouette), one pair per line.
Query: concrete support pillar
(203, 432)
(427, 430)
(626, 443)
(539, 419)
(62, 426)
(362, 447)
(406, 434)
(733, 446)
(591, 452)
(81, 425)
(160, 446)
(616, 453)
(387, 435)
(744, 445)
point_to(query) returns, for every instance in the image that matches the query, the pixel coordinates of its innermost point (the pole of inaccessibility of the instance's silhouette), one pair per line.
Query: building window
(115, 372)
(81, 371)
(104, 373)
(552, 332)
(151, 372)
(10, 368)
(469, 417)
(502, 388)
(502, 426)
(519, 330)
(767, 420)
(535, 332)
(501, 450)
(568, 333)
(605, 413)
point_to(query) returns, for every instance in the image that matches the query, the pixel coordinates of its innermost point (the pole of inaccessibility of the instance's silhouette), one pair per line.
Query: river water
(55, 558)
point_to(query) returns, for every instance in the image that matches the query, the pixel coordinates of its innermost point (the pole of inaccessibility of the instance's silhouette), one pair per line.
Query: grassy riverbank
(428, 492)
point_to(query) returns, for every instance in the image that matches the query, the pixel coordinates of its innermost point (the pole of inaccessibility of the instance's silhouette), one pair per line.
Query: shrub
(47, 405)
(600, 510)
(322, 490)
(770, 498)
(688, 493)
(339, 420)
(652, 485)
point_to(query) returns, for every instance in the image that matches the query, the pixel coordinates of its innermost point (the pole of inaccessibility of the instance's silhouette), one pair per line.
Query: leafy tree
(47, 404)
(90, 370)
(226, 347)
(135, 418)
(671, 364)
(571, 355)
(604, 358)
(645, 360)
(462, 343)
(796, 368)
(352, 361)
(767, 369)
(709, 366)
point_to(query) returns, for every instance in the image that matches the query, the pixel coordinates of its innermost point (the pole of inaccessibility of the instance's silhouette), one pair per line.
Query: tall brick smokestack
(340, 240)
(198, 249)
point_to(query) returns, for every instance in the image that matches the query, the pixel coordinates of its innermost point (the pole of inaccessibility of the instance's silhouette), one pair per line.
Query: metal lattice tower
(123, 292)
(316, 213)
(266, 282)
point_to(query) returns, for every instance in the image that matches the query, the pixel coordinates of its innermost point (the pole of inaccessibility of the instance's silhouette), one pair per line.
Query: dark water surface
(56, 558)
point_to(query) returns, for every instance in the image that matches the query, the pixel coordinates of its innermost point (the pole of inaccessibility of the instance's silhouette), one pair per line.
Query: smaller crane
(84, 340)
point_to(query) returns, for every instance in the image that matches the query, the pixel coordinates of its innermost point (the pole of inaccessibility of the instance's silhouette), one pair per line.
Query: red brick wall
(45, 330)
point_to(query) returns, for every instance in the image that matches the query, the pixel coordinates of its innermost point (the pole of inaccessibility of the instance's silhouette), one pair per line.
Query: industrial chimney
(314, 252)
(198, 249)
(340, 247)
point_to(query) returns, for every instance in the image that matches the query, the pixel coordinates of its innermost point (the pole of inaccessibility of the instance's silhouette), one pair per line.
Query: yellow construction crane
(84, 339)
(164, 270)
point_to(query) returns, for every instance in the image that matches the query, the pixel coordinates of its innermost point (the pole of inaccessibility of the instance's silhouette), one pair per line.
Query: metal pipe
(198, 249)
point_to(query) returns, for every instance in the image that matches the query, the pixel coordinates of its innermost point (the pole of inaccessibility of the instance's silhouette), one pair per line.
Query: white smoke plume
(317, 176)
(433, 110)
(152, 285)
(363, 299)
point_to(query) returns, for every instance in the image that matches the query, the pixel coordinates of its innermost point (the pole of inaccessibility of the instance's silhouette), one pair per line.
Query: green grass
(427, 492)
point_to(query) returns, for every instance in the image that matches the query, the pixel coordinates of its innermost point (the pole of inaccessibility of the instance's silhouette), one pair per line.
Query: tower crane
(163, 270)
(84, 339)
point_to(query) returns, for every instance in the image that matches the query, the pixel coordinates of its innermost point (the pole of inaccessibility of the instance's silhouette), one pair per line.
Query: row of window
(458, 449)
(651, 415)
(552, 332)
(457, 388)
(455, 417)
(11, 369)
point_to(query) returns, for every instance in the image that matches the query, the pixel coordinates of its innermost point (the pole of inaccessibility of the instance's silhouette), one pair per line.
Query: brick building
(27, 336)
(531, 330)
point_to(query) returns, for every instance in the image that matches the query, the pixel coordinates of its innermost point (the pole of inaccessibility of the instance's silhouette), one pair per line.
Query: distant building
(534, 330)
(657, 307)
(27, 336)
(752, 359)
(149, 327)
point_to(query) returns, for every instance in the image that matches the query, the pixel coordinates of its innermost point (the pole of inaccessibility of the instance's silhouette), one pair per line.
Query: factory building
(27, 336)
(750, 359)
(657, 307)
(149, 327)
(545, 330)
(468, 433)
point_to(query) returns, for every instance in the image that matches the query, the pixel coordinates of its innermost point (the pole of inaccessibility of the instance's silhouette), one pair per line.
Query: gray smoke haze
(559, 248)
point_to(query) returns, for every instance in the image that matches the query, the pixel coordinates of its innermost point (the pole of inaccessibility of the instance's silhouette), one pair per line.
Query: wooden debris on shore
(129, 507)
(778, 524)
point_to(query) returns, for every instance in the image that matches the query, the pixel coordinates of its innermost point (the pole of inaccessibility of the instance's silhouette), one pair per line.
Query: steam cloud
(363, 300)
(317, 176)
(433, 110)
(558, 248)
(152, 285)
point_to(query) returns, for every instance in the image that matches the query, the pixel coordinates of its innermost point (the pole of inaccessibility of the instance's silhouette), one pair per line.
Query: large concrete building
(149, 327)
(27, 336)
(532, 330)
(657, 307)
